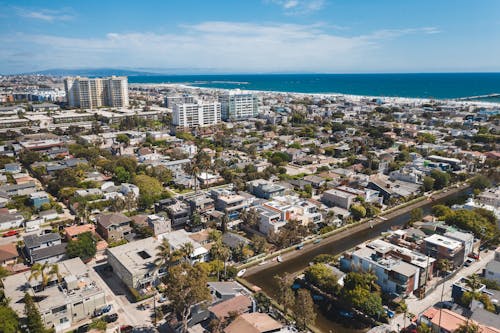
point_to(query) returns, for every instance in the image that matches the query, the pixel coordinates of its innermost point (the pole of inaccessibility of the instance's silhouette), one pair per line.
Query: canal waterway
(264, 277)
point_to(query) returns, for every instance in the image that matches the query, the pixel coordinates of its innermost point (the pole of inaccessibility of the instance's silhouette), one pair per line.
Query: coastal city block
(170, 208)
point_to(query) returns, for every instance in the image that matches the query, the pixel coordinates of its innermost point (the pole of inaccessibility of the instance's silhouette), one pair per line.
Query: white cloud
(298, 7)
(46, 15)
(216, 45)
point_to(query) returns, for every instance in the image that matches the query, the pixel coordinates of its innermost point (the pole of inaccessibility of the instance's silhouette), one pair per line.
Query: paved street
(417, 306)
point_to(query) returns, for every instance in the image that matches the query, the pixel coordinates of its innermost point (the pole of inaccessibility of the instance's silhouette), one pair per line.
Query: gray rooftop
(32, 241)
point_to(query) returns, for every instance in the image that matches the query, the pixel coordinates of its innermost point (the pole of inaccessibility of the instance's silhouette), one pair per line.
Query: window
(143, 254)
(59, 309)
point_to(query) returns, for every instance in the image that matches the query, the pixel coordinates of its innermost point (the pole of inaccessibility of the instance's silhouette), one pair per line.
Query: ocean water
(424, 85)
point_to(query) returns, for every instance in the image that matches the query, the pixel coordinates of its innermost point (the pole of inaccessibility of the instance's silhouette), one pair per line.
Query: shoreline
(387, 99)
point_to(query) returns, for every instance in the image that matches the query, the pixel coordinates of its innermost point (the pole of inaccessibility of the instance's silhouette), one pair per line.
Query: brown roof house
(8, 254)
(236, 305)
(255, 322)
(113, 227)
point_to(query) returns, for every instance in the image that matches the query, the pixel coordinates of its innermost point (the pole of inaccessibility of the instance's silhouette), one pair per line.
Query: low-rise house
(8, 254)
(48, 215)
(315, 181)
(39, 198)
(394, 275)
(442, 247)
(230, 203)
(225, 290)
(255, 322)
(133, 263)
(178, 212)
(10, 220)
(444, 320)
(338, 198)
(236, 305)
(201, 203)
(44, 248)
(13, 190)
(492, 269)
(73, 231)
(60, 305)
(113, 226)
(12, 168)
(265, 189)
(159, 224)
(178, 238)
(466, 238)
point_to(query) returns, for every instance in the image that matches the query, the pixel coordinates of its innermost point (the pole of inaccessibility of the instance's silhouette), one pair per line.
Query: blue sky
(252, 36)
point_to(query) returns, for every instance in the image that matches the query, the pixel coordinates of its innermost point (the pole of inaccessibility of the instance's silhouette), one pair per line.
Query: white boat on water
(241, 273)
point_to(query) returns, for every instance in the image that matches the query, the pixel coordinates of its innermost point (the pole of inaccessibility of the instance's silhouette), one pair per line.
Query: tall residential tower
(91, 93)
(199, 114)
(236, 105)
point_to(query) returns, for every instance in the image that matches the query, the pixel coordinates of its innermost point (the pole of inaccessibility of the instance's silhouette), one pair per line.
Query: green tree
(219, 251)
(10, 320)
(122, 175)
(186, 286)
(164, 256)
(150, 190)
(416, 214)
(45, 272)
(322, 277)
(441, 211)
(441, 179)
(357, 211)
(284, 291)
(84, 247)
(304, 309)
(123, 138)
(468, 327)
(33, 319)
(480, 182)
(428, 183)
(424, 328)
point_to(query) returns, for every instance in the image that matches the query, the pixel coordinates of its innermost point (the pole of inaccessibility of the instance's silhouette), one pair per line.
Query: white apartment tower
(91, 93)
(236, 105)
(200, 114)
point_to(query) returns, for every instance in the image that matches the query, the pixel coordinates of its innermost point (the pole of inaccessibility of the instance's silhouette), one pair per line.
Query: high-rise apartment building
(198, 114)
(91, 93)
(236, 105)
(178, 99)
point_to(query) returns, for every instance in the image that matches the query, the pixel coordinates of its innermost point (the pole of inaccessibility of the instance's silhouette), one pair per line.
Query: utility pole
(441, 307)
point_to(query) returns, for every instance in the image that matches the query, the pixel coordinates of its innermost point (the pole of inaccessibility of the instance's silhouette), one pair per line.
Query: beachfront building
(91, 93)
(199, 114)
(238, 106)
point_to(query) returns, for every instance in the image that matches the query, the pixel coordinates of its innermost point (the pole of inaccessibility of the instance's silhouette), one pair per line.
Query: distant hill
(93, 72)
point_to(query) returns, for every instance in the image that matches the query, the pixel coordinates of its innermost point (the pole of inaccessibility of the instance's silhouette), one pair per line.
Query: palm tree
(44, 271)
(468, 327)
(54, 271)
(164, 256)
(221, 252)
(473, 282)
(186, 251)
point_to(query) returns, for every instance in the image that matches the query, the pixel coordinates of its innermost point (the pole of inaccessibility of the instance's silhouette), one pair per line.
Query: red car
(11, 233)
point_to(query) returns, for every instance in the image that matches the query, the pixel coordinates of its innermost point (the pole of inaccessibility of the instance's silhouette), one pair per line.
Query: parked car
(103, 310)
(126, 328)
(474, 255)
(82, 329)
(11, 233)
(111, 318)
(469, 262)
